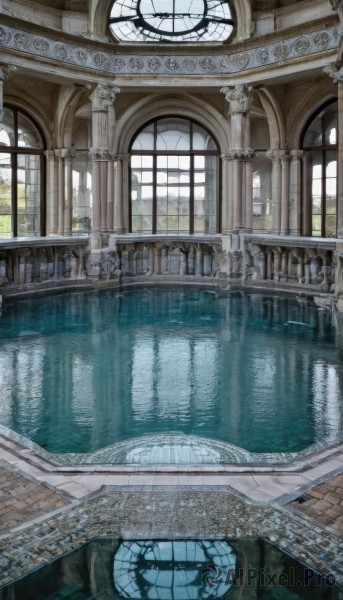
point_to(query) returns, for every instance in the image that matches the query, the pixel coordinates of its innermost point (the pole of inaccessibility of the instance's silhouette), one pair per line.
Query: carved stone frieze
(229, 62)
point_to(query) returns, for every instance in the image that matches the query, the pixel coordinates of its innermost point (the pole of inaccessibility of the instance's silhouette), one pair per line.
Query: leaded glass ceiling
(171, 20)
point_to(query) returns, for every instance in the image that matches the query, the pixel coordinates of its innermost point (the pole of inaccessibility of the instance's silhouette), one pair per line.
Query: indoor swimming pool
(170, 375)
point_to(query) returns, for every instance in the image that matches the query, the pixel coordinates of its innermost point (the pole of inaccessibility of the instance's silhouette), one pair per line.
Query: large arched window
(320, 146)
(21, 176)
(174, 178)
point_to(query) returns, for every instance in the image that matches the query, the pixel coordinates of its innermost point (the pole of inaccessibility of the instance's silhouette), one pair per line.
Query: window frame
(191, 153)
(16, 150)
(324, 149)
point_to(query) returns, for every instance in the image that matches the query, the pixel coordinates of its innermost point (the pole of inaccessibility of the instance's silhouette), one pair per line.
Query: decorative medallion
(240, 61)
(262, 56)
(189, 65)
(154, 64)
(101, 60)
(4, 36)
(281, 52)
(172, 64)
(118, 64)
(21, 40)
(207, 64)
(81, 56)
(302, 45)
(321, 40)
(41, 45)
(61, 52)
(136, 63)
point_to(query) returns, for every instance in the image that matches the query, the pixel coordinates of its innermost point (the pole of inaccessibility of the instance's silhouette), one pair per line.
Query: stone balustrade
(298, 262)
(25, 262)
(304, 261)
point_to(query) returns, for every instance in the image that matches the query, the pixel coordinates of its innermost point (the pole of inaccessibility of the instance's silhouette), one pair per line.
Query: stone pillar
(59, 155)
(295, 192)
(120, 188)
(226, 216)
(239, 98)
(5, 71)
(274, 155)
(68, 199)
(284, 157)
(102, 99)
(51, 205)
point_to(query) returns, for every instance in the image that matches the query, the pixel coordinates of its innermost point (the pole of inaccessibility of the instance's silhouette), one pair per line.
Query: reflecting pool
(83, 371)
(175, 570)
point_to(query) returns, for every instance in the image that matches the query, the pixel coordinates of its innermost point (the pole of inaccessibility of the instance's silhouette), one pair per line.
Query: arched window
(21, 176)
(174, 178)
(320, 146)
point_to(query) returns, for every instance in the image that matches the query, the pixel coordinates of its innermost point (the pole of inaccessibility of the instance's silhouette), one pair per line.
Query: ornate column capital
(336, 73)
(338, 6)
(5, 71)
(296, 154)
(239, 97)
(241, 154)
(104, 95)
(282, 155)
(63, 153)
(49, 154)
(99, 154)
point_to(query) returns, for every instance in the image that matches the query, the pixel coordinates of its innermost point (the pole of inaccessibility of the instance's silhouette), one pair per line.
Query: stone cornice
(111, 62)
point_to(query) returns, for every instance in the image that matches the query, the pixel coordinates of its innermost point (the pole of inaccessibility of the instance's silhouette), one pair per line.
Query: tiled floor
(34, 491)
(324, 503)
(22, 500)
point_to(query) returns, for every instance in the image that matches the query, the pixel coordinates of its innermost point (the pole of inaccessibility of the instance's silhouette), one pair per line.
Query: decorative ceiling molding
(191, 64)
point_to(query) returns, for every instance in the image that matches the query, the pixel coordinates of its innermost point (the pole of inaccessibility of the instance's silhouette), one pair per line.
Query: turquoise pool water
(82, 371)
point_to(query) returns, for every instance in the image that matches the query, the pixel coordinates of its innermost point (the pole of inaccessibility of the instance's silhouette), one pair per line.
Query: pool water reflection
(82, 371)
(174, 570)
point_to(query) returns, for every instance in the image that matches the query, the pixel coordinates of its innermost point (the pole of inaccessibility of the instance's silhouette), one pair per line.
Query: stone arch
(155, 106)
(311, 102)
(42, 120)
(276, 122)
(99, 9)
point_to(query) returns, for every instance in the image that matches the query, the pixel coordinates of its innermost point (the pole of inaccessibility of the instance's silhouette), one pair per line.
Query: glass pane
(82, 193)
(7, 137)
(28, 135)
(331, 169)
(173, 134)
(262, 193)
(316, 225)
(5, 195)
(202, 139)
(330, 225)
(330, 205)
(29, 190)
(330, 124)
(313, 135)
(145, 139)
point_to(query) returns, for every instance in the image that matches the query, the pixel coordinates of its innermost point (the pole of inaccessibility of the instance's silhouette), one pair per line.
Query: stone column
(120, 190)
(51, 205)
(59, 155)
(284, 157)
(274, 155)
(102, 99)
(5, 71)
(239, 98)
(227, 204)
(68, 200)
(295, 192)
